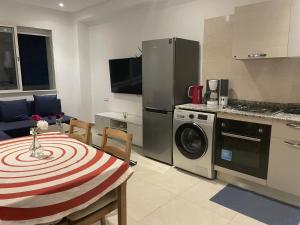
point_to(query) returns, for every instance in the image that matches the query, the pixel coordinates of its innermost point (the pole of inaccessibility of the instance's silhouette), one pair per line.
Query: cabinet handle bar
(257, 55)
(293, 125)
(296, 145)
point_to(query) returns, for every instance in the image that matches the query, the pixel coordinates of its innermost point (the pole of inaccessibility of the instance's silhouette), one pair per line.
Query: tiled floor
(163, 195)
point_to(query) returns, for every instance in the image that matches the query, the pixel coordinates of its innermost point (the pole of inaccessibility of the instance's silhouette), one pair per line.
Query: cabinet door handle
(257, 55)
(294, 125)
(293, 144)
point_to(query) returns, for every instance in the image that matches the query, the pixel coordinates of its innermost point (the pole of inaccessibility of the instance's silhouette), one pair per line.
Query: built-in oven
(243, 147)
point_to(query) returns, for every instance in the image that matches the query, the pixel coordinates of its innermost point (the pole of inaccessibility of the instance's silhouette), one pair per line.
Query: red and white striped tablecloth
(71, 177)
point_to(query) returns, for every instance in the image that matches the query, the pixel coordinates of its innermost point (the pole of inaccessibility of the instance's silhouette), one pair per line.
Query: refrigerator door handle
(148, 109)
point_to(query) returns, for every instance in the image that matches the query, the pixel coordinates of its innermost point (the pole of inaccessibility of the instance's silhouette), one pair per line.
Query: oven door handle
(241, 137)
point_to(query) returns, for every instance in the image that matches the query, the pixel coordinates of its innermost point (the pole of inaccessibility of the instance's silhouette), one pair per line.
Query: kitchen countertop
(220, 109)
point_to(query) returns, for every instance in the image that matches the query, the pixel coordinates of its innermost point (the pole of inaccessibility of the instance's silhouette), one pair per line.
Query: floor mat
(258, 207)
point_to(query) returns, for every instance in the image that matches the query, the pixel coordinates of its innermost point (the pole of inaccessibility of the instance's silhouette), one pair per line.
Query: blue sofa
(20, 128)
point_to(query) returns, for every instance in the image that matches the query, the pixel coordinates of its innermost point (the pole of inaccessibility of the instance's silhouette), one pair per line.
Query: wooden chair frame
(83, 125)
(116, 151)
(120, 203)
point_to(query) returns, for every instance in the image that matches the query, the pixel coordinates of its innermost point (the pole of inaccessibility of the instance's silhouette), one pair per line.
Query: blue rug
(263, 209)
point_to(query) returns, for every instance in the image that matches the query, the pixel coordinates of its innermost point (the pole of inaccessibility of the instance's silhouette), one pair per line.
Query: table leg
(122, 209)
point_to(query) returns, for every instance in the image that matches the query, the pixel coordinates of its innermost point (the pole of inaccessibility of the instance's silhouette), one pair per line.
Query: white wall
(86, 40)
(64, 46)
(118, 34)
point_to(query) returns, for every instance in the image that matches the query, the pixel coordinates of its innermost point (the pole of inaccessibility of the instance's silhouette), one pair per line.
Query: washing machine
(193, 142)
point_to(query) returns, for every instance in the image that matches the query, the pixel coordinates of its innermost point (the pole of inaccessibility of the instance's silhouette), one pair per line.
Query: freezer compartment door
(157, 135)
(158, 74)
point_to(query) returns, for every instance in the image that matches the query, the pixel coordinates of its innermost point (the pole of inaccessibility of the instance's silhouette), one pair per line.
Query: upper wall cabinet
(268, 29)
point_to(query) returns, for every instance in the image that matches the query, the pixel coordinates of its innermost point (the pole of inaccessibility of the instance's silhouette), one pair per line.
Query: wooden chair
(86, 127)
(117, 151)
(115, 199)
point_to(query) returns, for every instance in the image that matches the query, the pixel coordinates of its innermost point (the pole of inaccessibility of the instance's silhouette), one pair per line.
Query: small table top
(67, 178)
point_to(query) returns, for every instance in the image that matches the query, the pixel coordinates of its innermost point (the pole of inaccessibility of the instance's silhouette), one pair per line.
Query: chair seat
(52, 223)
(104, 201)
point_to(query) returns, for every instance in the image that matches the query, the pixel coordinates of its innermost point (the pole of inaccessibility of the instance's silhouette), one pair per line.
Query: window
(8, 71)
(26, 59)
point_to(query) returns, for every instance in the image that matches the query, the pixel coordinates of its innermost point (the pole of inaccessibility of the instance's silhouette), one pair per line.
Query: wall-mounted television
(126, 75)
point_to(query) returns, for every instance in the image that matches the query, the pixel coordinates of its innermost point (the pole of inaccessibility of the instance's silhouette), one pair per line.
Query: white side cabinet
(132, 124)
(284, 166)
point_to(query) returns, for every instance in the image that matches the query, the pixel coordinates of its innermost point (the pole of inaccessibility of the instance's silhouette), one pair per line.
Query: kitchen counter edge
(220, 109)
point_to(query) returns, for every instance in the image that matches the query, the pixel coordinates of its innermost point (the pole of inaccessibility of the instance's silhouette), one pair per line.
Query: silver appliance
(170, 66)
(223, 92)
(193, 142)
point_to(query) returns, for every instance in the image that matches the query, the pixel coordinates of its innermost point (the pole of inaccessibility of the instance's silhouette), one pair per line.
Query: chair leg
(122, 213)
(103, 221)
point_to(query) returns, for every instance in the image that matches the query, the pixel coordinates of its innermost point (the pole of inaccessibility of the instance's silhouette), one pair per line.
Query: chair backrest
(86, 127)
(114, 150)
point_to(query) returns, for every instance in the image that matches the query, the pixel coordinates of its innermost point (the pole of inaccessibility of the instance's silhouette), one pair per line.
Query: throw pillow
(16, 110)
(46, 105)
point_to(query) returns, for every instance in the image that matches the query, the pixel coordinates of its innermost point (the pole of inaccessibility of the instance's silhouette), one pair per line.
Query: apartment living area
(149, 112)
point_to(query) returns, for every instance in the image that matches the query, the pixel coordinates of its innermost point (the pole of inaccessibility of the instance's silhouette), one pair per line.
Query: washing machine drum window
(191, 141)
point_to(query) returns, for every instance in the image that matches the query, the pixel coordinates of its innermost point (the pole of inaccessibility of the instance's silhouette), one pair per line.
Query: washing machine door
(191, 140)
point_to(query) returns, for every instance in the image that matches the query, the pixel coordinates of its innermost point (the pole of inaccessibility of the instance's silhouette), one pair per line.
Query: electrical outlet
(106, 99)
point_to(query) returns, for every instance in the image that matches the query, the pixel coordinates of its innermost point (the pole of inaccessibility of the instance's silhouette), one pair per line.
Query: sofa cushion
(30, 106)
(3, 136)
(46, 105)
(16, 110)
(11, 126)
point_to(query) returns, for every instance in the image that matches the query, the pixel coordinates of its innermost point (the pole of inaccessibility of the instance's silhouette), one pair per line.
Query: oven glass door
(245, 154)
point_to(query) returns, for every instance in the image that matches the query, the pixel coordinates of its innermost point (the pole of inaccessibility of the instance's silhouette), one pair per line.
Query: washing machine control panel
(202, 117)
(185, 115)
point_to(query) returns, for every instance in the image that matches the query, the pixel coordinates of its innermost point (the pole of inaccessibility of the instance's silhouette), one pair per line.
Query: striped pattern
(70, 177)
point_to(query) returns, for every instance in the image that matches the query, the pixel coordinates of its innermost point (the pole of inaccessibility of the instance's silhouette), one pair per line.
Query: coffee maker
(212, 92)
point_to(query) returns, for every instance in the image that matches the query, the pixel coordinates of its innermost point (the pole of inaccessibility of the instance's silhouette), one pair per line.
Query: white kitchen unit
(267, 30)
(284, 166)
(132, 124)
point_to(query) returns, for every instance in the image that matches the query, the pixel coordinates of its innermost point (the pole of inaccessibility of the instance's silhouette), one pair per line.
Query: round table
(69, 177)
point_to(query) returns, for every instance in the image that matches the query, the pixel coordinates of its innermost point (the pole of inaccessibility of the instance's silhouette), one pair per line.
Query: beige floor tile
(203, 192)
(182, 212)
(173, 180)
(148, 163)
(112, 219)
(144, 197)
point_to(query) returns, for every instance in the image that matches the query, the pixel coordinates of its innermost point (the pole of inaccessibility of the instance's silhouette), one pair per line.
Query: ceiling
(69, 5)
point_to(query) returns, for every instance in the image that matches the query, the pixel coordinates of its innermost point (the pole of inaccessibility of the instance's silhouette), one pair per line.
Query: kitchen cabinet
(284, 166)
(267, 30)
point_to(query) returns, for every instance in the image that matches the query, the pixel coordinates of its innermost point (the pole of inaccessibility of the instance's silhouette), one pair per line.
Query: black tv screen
(126, 75)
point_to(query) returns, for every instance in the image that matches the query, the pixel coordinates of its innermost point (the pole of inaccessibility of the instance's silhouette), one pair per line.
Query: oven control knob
(260, 130)
(191, 116)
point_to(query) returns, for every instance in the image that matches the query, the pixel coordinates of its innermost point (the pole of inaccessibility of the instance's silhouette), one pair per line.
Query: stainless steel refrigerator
(170, 66)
